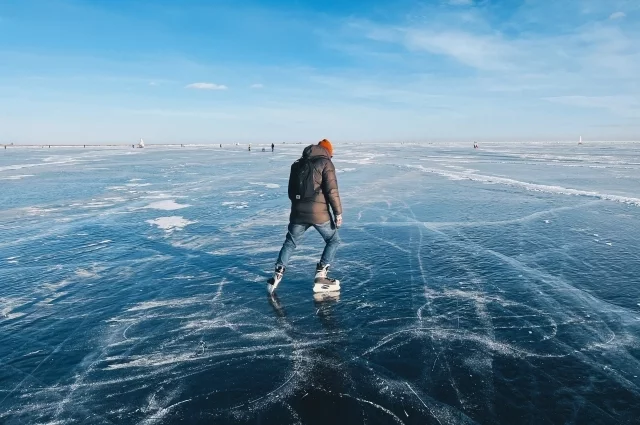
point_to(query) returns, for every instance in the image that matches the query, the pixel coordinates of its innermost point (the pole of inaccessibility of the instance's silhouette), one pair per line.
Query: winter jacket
(316, 211)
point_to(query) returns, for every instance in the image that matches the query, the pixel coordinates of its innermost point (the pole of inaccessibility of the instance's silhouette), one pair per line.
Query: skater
(313, 188)
(272, 146)
(249, 147)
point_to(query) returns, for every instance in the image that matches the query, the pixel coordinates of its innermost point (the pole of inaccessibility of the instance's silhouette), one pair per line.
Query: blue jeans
(328, 232)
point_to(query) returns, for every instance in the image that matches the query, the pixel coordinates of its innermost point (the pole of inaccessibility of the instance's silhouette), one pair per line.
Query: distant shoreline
(135, 145)
(217, 144)
(279, 144)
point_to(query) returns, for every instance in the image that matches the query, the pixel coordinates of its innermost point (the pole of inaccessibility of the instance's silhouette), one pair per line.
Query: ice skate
(323, 283)
(274, 281)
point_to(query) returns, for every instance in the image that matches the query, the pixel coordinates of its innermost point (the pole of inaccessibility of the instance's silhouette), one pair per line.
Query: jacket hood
(315, 151)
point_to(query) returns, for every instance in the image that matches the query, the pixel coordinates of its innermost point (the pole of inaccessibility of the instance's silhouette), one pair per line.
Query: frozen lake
(490, 286)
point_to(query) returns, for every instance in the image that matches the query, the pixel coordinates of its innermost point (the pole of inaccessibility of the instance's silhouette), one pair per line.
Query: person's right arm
(330, 188)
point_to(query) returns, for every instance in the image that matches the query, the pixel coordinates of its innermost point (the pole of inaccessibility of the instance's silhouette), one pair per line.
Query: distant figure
(220, 144)
(249, 147)
(272, 147)
(263, 150)
(313, 191)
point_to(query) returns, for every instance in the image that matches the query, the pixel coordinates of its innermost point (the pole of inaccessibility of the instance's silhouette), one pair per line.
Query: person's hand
(339, 221)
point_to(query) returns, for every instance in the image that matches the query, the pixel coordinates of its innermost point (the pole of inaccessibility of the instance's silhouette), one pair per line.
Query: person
(272, 147)
(313, 211)
(249, 147)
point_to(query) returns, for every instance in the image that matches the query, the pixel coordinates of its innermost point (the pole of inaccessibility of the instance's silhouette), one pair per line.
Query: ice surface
(492, 286)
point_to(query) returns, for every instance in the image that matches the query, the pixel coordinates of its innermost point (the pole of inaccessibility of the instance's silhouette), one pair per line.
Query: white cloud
(257, 86)
(478, 51)
(206, 86)
(153, 83)
(617, 15)
(626, 106)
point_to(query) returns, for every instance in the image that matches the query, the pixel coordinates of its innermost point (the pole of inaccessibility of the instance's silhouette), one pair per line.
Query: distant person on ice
(272, 146)
(313, 191)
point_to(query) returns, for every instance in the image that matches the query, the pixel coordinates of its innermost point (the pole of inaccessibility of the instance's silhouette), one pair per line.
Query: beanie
(327, 145)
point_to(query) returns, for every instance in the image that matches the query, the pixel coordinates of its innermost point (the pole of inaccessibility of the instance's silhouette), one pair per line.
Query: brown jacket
(326, 188)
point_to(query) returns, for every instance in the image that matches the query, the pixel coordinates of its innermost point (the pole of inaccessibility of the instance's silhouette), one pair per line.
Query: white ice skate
(273, 282)
(322, 283)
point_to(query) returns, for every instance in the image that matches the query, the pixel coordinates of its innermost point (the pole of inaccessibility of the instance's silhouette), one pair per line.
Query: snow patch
(172, 223)
(166, 205)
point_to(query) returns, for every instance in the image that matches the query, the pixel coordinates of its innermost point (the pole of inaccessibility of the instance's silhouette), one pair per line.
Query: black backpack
(301, 181)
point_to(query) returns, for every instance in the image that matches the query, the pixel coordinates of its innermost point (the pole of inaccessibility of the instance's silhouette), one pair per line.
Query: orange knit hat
(327, 145)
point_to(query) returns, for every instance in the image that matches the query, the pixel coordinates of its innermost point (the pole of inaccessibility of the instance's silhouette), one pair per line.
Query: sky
(196, 71)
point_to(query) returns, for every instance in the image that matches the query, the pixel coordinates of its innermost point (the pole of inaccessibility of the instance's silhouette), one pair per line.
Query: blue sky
(196, 71)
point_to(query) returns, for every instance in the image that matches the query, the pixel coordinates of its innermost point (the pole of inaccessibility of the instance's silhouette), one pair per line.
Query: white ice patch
(22, 166)
(10, 316)
(167, 205)
(172, 223)
(137, 184)
(345, 170)
(95, 205)
(236, 205)
(534, 187)
(267, 185)
(240, 192)
(93, 273)
(18, 177)
(7, 305)
(175, 303)
(38, 211)
(158, 195)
